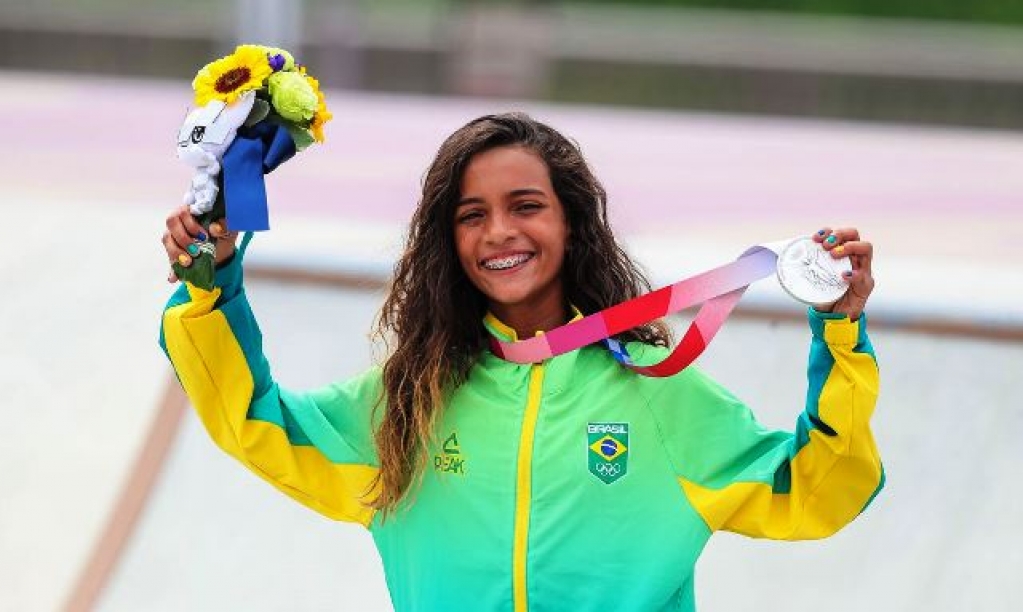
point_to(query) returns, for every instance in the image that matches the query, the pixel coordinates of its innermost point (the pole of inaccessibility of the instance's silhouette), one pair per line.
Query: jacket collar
(505, 333)
(558, 370)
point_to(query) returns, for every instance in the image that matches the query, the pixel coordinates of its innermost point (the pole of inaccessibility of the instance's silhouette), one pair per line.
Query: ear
(238, 111)
(221, 132)
(193, 129)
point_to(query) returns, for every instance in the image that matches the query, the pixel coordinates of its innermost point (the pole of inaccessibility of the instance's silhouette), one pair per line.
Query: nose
(500, 228)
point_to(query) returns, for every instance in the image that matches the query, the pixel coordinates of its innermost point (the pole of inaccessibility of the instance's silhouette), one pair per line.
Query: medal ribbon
(719, 290)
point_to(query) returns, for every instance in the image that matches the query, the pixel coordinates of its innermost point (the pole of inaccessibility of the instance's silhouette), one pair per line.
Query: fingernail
(193, 249)
(838, 250)
(847, 273)
(832, 239)
(184, 260)
(215, 229)
(821, 232)
(201, 236)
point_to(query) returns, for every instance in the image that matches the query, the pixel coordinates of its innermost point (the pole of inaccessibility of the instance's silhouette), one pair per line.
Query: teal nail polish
(193, 249)
(832, 239)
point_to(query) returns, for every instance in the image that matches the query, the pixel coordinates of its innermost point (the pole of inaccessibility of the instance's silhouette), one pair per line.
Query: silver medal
(810, 274)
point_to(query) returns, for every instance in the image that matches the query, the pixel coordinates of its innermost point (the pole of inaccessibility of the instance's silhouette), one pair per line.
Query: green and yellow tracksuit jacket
(571, 484)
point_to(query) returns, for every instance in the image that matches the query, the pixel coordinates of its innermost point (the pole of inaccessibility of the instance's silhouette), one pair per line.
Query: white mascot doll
(204, 137)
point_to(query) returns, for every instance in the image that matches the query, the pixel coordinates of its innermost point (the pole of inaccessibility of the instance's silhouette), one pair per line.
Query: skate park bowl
(115, 499)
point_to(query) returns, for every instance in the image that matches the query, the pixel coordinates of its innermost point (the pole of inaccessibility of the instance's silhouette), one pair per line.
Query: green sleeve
(742, 477)
(315, 446)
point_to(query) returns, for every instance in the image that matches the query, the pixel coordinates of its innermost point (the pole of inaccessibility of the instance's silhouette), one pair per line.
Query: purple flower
(276, 61)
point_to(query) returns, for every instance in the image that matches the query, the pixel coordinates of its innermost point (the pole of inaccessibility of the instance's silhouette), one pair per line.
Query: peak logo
(450, 460)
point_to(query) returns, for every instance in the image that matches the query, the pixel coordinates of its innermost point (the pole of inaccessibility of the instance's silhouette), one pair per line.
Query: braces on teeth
(505, 262)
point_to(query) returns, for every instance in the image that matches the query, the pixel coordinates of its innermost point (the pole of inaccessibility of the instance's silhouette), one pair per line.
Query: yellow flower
(228, 77)
(322, 115)
(286, 62)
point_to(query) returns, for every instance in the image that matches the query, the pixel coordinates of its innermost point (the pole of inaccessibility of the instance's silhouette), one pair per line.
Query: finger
(219, 228)
(821, 234)
(840, 236)
(861, 284)
(182, 218)
(192, 226)
(846, 234)
(172, 277)
(180, 234)
(175, 252)
(853, 248)
(859, 252)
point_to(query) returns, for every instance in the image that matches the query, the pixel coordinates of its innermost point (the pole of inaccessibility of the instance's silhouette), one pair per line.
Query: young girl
(571, 484)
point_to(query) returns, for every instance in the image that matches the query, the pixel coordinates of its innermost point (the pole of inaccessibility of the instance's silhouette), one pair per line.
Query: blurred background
(714, 125)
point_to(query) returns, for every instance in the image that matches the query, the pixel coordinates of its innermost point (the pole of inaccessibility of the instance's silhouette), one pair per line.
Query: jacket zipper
(523, 488)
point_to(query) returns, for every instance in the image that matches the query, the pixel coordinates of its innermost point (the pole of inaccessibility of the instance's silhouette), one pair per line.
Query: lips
(506, 262)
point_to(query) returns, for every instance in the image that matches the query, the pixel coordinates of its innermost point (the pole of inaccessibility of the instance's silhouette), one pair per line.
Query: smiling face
(511, 234)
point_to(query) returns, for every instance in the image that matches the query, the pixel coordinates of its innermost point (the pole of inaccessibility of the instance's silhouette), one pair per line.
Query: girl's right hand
(183, 231)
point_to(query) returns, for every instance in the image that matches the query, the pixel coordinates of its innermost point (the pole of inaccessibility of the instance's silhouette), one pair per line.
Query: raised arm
(808, 484)
(316, 447)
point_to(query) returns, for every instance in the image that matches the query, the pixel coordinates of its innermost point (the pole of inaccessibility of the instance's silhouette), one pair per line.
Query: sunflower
(228, 77)
(322, 115)
(279, 59)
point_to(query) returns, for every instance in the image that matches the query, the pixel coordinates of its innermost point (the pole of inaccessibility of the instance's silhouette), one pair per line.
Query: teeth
(503, 263)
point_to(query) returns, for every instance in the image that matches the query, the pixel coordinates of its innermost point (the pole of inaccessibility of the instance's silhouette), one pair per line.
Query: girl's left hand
(845, 242)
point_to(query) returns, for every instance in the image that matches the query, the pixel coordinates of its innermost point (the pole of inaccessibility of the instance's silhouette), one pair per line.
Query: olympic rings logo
(609, 469)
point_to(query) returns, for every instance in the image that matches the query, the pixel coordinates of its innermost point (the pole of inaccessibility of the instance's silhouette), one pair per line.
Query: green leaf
(302, 137)
(200, 273)
(260, 110)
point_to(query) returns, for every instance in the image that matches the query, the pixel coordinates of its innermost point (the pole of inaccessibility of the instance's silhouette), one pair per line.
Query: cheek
(464, 251)
(564, 241)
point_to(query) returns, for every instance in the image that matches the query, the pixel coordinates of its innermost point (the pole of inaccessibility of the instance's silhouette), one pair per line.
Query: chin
(507, 299)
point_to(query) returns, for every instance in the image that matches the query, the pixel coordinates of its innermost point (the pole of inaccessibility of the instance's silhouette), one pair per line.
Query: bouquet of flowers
(254, 109)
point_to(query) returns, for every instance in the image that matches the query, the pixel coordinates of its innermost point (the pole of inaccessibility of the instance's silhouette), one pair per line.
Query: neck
(527, 320)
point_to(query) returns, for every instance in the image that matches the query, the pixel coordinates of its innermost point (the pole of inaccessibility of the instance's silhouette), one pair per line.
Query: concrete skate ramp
(88, 415)
(942, 536)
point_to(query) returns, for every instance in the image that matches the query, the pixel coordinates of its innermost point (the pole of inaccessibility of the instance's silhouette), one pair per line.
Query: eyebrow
(514, 194)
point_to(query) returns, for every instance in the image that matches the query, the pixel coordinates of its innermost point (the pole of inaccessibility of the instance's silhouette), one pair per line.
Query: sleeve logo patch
(608, 455)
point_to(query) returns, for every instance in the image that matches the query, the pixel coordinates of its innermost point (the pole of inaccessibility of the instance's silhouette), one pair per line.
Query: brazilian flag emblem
(609, 450)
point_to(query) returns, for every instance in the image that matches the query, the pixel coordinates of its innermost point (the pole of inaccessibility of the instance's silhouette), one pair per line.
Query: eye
(528, 206)
(469, 216)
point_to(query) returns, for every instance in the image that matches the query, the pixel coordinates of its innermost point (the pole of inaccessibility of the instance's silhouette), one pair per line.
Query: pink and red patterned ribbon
(718, 290)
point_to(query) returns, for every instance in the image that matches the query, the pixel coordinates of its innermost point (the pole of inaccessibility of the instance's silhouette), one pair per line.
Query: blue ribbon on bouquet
(256, 150)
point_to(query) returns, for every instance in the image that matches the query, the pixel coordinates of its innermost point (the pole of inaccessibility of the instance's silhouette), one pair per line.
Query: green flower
(292, 96)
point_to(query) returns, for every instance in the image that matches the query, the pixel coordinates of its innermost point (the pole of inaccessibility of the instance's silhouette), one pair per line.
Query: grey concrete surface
(215, 537)
(82, 291)
(83, 288)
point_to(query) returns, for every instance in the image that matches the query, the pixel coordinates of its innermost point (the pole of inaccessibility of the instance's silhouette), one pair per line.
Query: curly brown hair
(433, 313)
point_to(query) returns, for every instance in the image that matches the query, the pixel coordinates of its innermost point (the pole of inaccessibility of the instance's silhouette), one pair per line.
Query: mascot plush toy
(204, 138)
(254, 109)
